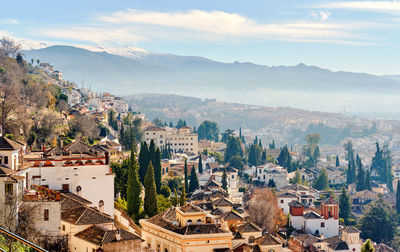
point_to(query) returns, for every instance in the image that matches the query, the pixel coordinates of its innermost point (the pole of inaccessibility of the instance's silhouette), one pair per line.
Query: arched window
(101, 206)
(271, 250)
(165, 250)
(189, 222)
(198, 221)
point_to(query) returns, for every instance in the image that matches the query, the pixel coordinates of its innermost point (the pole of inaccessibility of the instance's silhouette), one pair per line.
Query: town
(82, 171)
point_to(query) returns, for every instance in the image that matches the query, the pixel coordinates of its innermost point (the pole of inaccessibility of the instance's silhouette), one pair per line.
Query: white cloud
(376, 6)
(8, 21)
(131, 26)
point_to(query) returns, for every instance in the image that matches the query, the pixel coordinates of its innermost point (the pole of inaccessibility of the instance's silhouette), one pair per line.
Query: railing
(22, 240)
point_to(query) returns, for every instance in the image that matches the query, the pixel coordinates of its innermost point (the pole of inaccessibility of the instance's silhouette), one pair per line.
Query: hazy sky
(361, 36)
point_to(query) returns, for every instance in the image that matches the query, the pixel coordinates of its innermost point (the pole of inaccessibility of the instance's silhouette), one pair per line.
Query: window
(8, 188)
(65, 187)
(63, 227)
(5, 160)
(46, 214)
(322, 224)
(233, 176)
(282, 201)
(101, 206)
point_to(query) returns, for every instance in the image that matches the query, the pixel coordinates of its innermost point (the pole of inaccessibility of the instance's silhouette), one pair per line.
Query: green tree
(344, 206)
(398, 198)
(150, 197)
(284, 159)
(165, 191)
(194, 182)
(157, 169)
(224, 180)
(322, 182)
(378, 222)
(388, 175)
(360, 185)
(368, 185)
(144, 161)
(200, 165)
(271, 183)
(337, 161)
(226, 135)
(208, 130)
(163, 203)
(182, 199)
(158, 122)
(134, 186)
(367, 246)
(180, 123)
(236, 162)
(351, 168)
(233, 148)
(186, 178)
(175, 199)
(297, 177)
(255, 155)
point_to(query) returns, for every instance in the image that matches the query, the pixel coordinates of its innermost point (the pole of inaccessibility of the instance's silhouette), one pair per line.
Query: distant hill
(300, 86)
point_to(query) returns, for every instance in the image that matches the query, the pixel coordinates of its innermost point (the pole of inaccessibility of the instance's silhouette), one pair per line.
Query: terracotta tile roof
(14, 178)
(222, 202)
(206, 206)
(232, 215)
(330, 200)
(267, 239)
(342, 245)
(312, 215)
(98, 236)
(306, 239)
(194, 229)
(85, 216)
(249, 227)
(189, 208)
(212, 183)
(8, 144)
(217, 211)
(4, 171)
(296, 204)
(333, 239)
(288, 195)
(76, 198)
(350, 229)
(383, 248)
(237, 236)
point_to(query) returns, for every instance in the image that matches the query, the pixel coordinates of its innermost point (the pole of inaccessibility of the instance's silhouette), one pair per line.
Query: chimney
(117, 236)
(107, 158)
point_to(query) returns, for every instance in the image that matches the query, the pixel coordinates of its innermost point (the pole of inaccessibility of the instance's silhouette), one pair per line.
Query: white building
(79, 169)
(181, 140)
(326, 222)
(272, 171)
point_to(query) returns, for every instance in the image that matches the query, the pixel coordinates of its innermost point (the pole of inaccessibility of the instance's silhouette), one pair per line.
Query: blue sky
(360, 36)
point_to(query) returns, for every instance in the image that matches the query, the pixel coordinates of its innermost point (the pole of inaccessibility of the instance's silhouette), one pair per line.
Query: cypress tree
(224, 180)
(175, 199)
(186, 184)
(360, 176)
(337, 161)
(152, 152)
(157, 169)
(182, 199)
(134, 186)
(398, 198)
(150, 197)
(200, 165)
(194, 182)
(240, 133)
(322, 182)
(344, 206)
(271, 183)
(143, 161)
(367, 246)
(368, 185)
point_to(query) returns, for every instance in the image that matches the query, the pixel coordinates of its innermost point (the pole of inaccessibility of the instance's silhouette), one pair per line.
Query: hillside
(300, 86)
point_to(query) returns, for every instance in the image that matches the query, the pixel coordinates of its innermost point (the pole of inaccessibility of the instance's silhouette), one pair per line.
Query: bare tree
(263, 209)
(8, 48)
(83, 125)
(17, 217)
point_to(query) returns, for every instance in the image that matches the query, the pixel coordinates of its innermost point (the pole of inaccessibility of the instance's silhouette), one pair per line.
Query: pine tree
(398, 198)
(150, 197)
(157, 170)
(143, 161)
(367, 246)
(182, 199)
(360, 176)
(224, 180)
(368, 185)
(200, 165)
(194, 182)
(322, 182)
(134, 187)
(337, 161)
(186, 184)
(344, 206)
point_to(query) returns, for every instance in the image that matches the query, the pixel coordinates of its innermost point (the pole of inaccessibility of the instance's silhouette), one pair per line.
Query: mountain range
(129, 71)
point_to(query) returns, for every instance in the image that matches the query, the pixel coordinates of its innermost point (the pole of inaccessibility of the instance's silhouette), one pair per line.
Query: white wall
(285, 204)
(96, 182)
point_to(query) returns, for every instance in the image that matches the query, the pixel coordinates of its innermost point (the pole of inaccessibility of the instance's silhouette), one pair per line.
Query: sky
(357, 36)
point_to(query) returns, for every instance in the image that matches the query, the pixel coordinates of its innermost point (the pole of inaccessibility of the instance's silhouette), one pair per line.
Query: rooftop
(98, 236)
